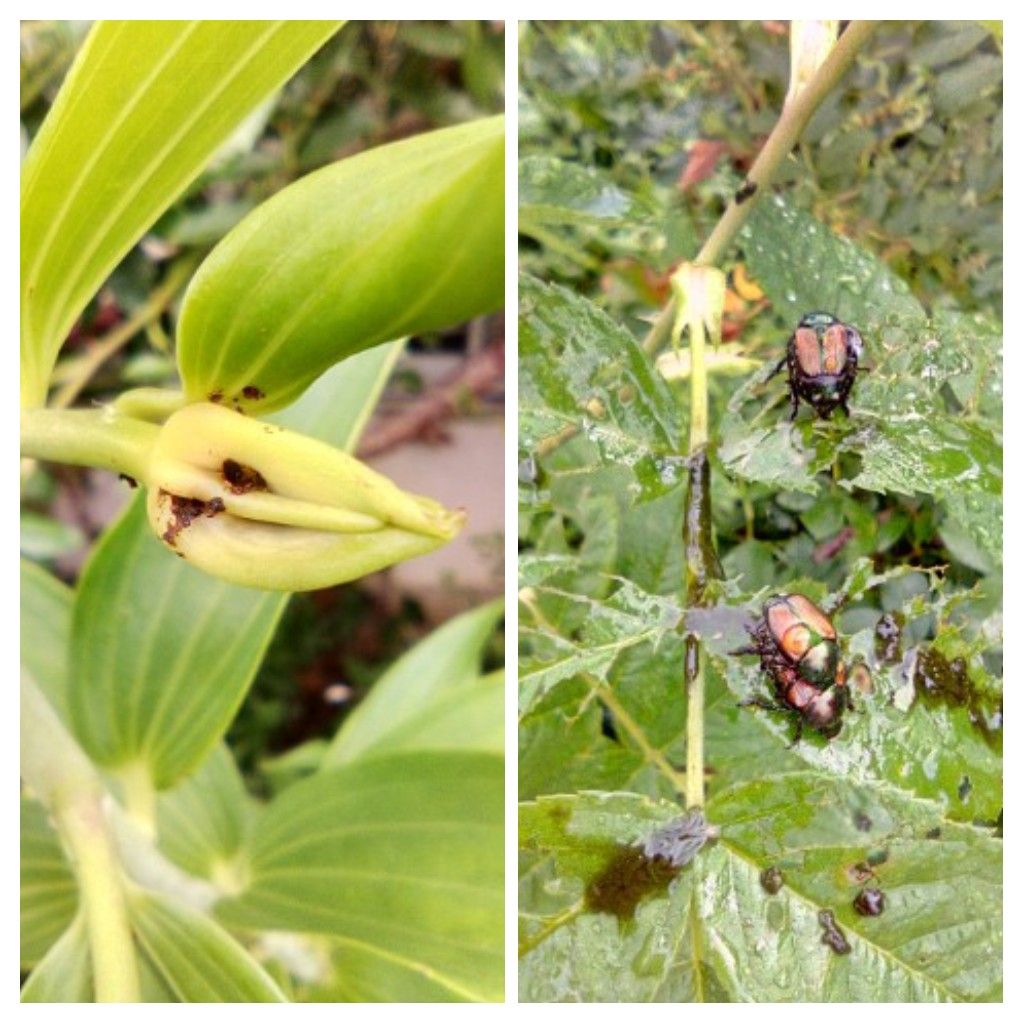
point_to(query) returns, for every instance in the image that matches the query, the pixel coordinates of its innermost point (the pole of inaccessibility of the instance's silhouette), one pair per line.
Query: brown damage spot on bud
(184, 512)
(216, 396)
(252, 392)
(242, 479)
(129, 480)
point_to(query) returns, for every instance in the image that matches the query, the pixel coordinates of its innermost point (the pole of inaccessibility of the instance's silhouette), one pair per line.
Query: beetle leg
(778, 369)
(749, 649)
(794, 399)
(760, 702)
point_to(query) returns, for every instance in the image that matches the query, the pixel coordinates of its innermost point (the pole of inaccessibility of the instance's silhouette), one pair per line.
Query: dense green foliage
(887, 214)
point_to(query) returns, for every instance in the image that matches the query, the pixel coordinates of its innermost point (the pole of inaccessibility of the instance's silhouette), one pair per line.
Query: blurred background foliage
(633, 137)
(372, 83)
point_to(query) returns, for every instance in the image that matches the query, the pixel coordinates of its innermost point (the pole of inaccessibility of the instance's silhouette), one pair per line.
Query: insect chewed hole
(184, 511)
(240, 478)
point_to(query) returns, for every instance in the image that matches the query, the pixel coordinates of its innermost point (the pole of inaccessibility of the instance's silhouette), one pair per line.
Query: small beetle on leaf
(797, 645)
(821, 356)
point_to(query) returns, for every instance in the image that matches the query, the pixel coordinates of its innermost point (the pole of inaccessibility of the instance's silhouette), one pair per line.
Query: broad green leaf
(400, 239)
(162, 653)
(398, 858)
(431, 698)
(194, 957)
(203, 821)
(144, 107)
(580, 373)
(45, 629)
(714, 934)
(64, 975)
(49, 894)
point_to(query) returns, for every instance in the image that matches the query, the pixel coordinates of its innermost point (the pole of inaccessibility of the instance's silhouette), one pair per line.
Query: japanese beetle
(821, 357)
(797, 645)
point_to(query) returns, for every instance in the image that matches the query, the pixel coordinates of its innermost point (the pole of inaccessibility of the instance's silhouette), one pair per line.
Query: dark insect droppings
(745, 191)
(772, 880)
(870, 902)
(831, 935)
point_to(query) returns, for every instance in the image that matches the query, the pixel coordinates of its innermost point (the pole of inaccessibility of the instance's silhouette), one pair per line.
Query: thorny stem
(83, 368)
(780, 142)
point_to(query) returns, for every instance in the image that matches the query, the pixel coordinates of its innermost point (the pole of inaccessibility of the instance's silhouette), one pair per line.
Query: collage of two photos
(738, 625)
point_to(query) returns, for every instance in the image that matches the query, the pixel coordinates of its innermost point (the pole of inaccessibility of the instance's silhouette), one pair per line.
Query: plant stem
(139, 797)
(56, 771)
(88, 437)
(694, 724)
(100, 351)
(780, 142)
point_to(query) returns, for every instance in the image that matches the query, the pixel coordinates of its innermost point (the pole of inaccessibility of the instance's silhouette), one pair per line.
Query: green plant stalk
(54, 768)
(98, 353)
(88, 437)
(780, 142)
(694, 724)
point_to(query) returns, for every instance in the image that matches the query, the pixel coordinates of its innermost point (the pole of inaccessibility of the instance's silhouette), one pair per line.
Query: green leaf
(195, 957)
(398, 240)
(802, 266)
(432, 698)
(143, 109)
(162, 653)
(203, 821)
(45, 631)
(714, 934)
(554, 191)
(64, 975)
(398, 858)
(582, 373)
(46, 538)
(49, 893)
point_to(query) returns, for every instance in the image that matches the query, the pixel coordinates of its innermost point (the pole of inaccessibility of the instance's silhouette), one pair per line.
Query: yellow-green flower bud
(262, 506)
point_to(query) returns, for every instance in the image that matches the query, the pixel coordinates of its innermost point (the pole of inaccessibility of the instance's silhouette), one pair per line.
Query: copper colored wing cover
(834, 348)
(808, 612)
(808, 354)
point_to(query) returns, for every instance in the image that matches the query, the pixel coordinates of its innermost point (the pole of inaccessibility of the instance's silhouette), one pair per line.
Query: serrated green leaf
(399, 858)
(162, 653)
(400, 239)
(144, 107)
(195, 957)
(555, 191)
(64, 975)
(432, 698)
(802, 266)
(714, 934)
(580, 372)
(49, 893)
